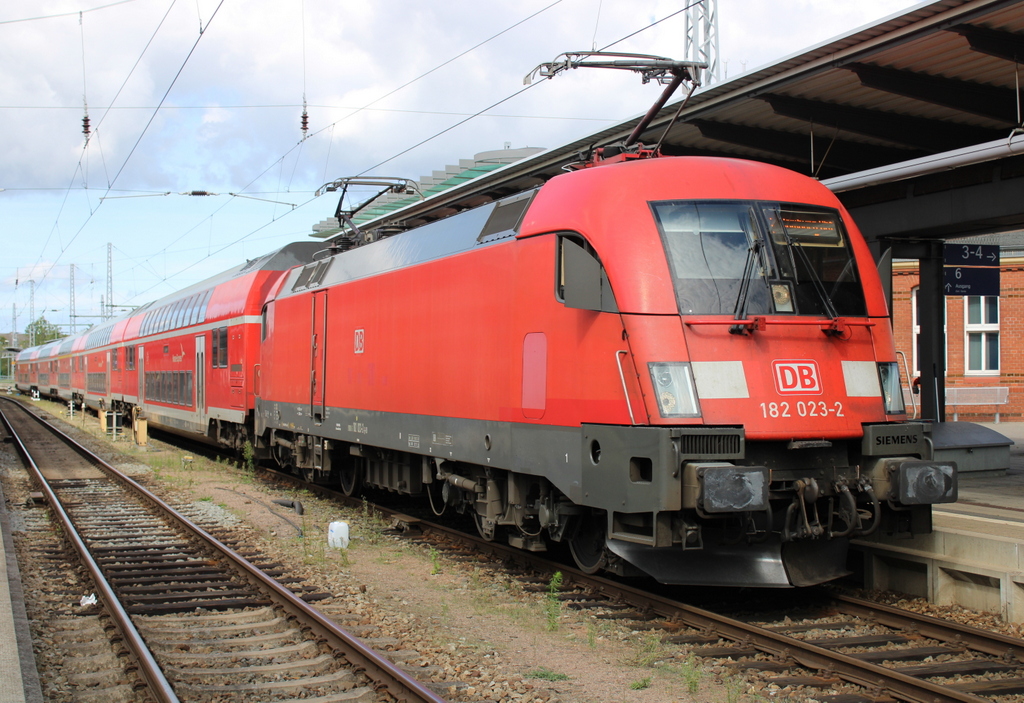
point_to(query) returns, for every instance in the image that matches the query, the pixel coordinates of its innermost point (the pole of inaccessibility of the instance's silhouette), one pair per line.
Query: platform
(19, 682)
(974, 556)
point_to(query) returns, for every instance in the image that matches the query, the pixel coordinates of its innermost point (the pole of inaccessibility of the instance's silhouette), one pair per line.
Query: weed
(591, 635)
(206, 499)
(734, 690)
(435, 561)
(640, 684)
(553, 606)
(547, 675)
(691, 674)
(650, 651)
(248, 457)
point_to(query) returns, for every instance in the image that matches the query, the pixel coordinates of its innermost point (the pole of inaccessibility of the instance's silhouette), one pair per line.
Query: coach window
(214, 348)
(179, 314)
(202, 305)
(581, 281)
(223, 347)
(982, 334)
(114, 365)
(186, 311)
(193, 309)
(263, 324)
(175, 319)
(129, 357)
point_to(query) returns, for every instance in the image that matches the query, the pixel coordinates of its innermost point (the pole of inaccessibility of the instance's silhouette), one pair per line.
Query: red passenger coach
(677, 365)
(187, 360)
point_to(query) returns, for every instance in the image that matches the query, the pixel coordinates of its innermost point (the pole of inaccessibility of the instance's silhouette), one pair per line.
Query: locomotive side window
(746, 258)
(581, 281)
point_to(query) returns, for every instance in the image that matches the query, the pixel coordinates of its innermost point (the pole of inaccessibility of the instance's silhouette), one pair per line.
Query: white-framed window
(981, 335)
(917, 333)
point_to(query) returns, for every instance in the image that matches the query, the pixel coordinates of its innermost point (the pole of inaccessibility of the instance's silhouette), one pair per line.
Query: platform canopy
(922, 105)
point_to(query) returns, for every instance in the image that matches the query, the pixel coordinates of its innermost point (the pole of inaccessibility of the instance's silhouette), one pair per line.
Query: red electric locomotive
(682, 366)
(677, 366)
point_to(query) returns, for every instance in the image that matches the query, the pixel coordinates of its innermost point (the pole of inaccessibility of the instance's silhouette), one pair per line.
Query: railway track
(840, 649)
(199, 621)
(843, 650)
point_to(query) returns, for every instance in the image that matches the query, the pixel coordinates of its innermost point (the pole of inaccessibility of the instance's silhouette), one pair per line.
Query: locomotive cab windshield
(759, 258)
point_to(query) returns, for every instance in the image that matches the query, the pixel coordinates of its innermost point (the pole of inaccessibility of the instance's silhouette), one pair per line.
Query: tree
(41, 331)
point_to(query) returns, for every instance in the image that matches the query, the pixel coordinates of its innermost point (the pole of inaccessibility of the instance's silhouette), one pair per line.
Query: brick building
(984, 339)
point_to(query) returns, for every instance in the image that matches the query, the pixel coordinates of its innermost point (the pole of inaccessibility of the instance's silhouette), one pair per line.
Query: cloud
(231, 121)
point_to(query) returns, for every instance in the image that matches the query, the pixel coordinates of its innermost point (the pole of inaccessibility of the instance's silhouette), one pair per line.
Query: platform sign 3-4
(970, 269)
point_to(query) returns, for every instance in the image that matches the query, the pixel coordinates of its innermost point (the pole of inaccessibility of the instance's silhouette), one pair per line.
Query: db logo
(360, 341)
(797, 377)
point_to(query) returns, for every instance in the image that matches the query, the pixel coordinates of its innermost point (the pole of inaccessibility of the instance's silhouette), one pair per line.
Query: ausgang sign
(970, 269)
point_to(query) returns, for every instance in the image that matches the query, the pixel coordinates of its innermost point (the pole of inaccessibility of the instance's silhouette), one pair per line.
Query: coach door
(318, 358)
(201, 379)
(140, 365)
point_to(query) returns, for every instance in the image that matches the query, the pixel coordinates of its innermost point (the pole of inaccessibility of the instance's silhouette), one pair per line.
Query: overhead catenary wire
(79, 167)
(331, 126)
(368, 106)
(142, 134)
(420, 143)
(85, 93)
(65, 14)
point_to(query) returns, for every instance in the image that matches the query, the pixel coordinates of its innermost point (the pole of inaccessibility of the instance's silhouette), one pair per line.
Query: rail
(399, 684)
(149, 669)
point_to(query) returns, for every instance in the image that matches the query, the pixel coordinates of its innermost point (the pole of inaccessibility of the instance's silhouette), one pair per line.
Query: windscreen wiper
(819, 287)
(740, 308)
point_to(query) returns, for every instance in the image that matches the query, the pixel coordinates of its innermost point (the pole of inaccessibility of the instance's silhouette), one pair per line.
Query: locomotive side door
(318, 358)
(140, 368)
(201, 380)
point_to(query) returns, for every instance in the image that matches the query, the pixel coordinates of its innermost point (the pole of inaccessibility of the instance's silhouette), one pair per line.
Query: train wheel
(588, 544)
(350, 477)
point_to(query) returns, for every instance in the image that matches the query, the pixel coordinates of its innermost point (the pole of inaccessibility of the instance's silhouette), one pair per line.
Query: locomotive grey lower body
(684, 505)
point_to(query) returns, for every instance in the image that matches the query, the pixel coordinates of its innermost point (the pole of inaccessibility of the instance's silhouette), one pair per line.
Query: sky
(207, 95)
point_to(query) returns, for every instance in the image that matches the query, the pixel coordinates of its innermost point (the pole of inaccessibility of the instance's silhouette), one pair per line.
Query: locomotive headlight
(673, 386)
(892, 391)
(782, 296)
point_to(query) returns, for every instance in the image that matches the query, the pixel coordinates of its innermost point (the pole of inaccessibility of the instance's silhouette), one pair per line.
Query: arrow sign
(970, 280)
(970, 255)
